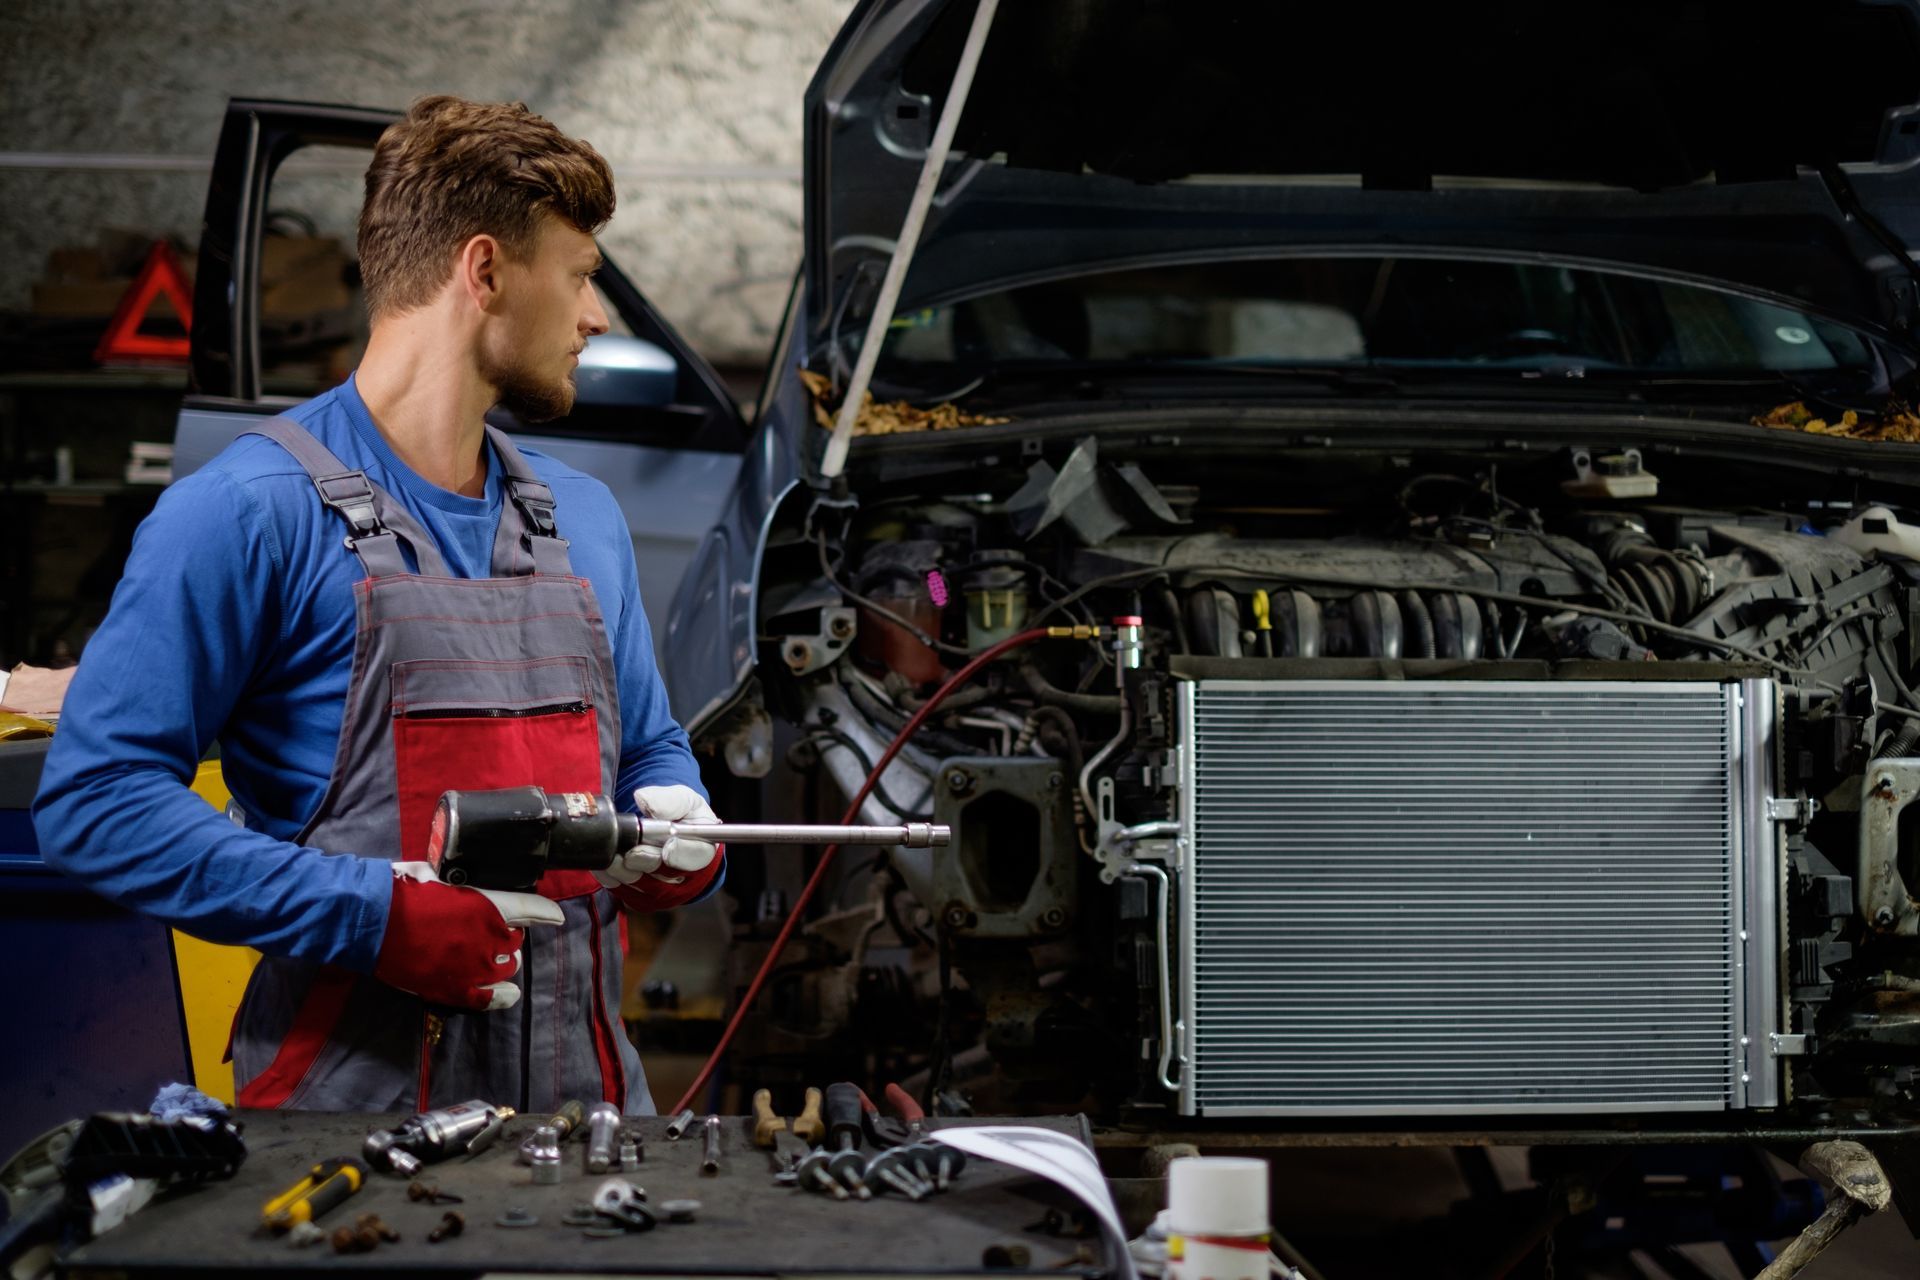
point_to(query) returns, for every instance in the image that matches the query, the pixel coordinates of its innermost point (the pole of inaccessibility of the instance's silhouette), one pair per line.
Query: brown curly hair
(454, 169)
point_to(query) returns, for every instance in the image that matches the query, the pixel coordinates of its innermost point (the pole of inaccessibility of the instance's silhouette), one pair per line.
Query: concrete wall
(695, 102)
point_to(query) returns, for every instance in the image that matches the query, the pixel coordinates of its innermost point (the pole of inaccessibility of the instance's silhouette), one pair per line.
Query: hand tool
(815, 1175)
(566, 1121)
(678, 1127)
(326, 1185)
(871, 1123)
(624, 1203)
(507, 839)
(908, 1110)
(947, 1164)
(770, 1131)
(603, 1122)
(888, 1168)
(544, 1155)
(710, 1158)
(843, 1132)
(452, 1224)
(434, 1135)
(808, 1126)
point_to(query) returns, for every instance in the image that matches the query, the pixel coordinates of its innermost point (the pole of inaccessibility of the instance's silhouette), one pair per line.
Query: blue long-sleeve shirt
(234, 621)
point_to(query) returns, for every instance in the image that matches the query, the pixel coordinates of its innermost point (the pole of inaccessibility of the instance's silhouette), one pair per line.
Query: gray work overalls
(458, 684)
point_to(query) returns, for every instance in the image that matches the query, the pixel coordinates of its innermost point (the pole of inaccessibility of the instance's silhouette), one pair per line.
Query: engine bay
(1058, 947)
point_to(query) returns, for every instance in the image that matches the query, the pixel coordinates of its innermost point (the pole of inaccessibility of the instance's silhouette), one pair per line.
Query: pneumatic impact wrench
(508, 839)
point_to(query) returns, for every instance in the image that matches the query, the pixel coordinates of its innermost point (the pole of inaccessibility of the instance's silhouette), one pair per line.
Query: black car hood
(1769, 147)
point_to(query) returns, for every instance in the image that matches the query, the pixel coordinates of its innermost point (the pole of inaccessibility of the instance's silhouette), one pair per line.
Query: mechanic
(371, 601)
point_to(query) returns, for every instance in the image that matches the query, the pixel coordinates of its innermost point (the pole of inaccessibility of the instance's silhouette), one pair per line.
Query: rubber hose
(1096, 704)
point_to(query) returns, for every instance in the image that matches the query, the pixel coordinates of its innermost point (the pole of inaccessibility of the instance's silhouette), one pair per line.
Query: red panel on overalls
(558, 751)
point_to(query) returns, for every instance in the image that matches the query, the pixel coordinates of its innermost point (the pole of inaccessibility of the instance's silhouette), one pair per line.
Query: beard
(524, 392)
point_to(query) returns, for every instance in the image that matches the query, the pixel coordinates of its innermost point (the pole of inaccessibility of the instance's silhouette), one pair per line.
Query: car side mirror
(625, 373)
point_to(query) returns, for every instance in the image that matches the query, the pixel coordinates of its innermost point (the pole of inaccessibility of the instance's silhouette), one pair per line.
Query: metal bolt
(1884, 917)
(418, 1190)
(451, 1225)
(841, 626)
(371, 1222)
(1056, 781)
(344, 1241)
(956, 916)
(959, 781)
(602, 1122)
(1053, 917)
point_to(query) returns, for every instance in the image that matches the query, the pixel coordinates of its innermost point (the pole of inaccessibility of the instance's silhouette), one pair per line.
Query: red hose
(852, 815)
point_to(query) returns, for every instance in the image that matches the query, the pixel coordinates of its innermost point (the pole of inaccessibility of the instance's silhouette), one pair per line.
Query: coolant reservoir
(996, 602)
(1878, 529)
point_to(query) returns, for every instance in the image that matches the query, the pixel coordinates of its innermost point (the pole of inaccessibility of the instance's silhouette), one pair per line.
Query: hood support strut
(835, 460)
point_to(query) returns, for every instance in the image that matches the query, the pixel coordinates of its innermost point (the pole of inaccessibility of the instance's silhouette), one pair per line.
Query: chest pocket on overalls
(468, 725)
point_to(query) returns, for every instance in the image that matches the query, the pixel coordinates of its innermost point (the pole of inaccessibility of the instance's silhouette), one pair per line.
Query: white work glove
(679, 855)
(455, 945)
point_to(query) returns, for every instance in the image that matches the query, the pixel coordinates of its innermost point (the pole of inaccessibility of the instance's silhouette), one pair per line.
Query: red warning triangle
(123, 340)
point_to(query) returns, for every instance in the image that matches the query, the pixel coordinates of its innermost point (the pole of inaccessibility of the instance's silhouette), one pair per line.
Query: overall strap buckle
(535, 501)
(351, 494)
(540, 539)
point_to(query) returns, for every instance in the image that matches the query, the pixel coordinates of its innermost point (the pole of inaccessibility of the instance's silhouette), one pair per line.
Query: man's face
(550, 309)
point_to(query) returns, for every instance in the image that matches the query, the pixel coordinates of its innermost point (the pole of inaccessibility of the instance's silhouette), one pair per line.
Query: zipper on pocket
(495, 713)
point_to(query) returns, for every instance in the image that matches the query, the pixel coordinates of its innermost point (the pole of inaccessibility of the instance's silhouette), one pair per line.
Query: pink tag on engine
(937, 588)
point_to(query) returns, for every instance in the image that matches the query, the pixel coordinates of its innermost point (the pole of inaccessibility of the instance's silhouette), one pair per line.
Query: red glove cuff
(650, 893)
(444, 943)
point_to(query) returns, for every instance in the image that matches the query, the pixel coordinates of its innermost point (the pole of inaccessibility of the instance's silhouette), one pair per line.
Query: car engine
(1417, 782)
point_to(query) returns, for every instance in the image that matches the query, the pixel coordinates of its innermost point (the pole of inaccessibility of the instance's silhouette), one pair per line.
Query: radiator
(1452, 897)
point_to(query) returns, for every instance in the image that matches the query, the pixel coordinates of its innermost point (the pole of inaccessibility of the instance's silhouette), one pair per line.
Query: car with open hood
(1480, 441)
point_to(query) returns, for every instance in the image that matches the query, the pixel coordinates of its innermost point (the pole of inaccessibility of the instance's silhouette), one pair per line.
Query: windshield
(1399, 313)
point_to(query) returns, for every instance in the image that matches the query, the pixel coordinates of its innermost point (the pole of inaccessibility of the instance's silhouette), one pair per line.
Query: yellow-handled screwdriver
(327, 1184)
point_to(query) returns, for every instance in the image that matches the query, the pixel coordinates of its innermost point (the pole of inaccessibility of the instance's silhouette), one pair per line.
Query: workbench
(747, 1225)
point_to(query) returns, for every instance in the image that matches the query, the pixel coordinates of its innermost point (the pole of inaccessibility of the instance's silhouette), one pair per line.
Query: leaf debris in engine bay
(1897, 423)
(894, 417)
